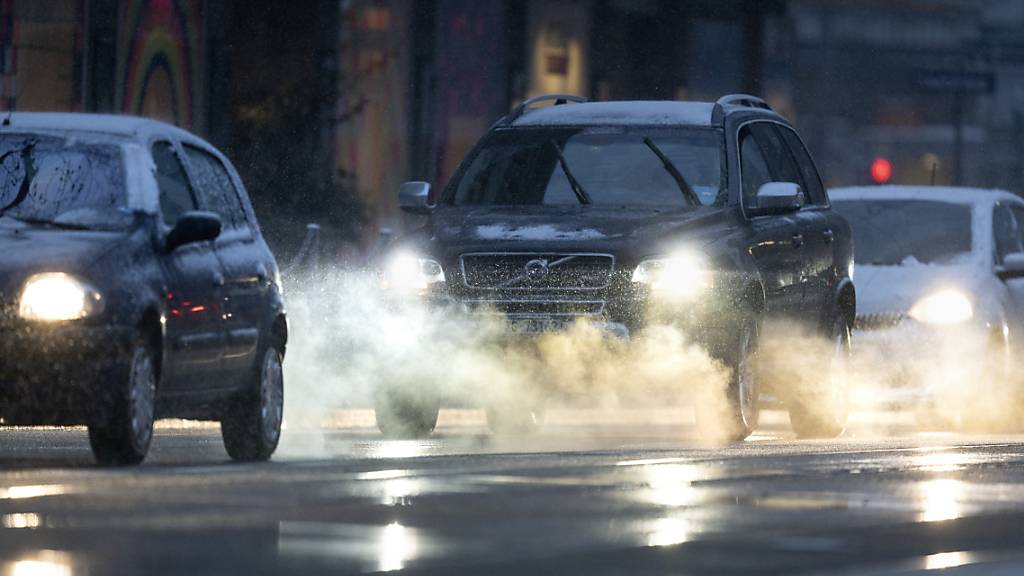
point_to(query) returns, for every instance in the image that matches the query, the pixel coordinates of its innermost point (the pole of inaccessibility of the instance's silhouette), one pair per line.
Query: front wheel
(822, 413)
(730, 415)
(123, 435)
(251, 428)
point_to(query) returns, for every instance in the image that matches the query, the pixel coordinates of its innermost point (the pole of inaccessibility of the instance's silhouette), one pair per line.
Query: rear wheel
(730, 415)
(251, 428)
(823, 411)
(123, 435)
(402, 414)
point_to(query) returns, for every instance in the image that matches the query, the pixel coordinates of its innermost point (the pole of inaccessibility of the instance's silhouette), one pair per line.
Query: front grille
(537, 271)
(536, 307)
(878, 320)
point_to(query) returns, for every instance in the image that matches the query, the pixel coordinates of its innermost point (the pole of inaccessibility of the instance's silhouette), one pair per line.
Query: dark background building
(326, 106)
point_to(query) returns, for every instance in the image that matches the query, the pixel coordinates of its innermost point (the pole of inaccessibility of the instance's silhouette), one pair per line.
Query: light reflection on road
(941, 499)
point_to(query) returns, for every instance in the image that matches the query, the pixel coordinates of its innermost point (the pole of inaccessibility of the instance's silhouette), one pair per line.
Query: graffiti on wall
(160, 60)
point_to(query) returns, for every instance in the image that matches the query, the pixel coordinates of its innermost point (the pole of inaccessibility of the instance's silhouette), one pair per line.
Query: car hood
(895, 289)
(611, 229)
(25, 250)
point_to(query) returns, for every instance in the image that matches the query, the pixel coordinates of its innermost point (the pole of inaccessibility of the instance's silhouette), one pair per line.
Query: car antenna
(935, 166)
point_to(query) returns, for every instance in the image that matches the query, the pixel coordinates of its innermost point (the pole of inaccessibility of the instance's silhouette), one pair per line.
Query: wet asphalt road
(616, 495)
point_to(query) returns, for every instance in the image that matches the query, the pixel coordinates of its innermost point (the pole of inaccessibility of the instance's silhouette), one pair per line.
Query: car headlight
(409, 273)
(679, 276)
(55, 297)
(943, 307)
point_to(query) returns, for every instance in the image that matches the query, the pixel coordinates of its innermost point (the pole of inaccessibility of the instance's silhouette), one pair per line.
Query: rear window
(901, 232)
(44, 178)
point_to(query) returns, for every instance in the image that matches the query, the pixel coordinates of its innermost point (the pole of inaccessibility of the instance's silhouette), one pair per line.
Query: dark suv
(711, 215)
(134, 285)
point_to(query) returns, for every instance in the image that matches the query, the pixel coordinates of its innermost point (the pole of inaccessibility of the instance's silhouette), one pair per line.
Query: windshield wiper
(577, 189)
(26, 182)
(44, 222)
(684, 186)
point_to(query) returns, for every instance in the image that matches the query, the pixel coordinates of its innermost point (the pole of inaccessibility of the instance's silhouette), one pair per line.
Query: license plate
(537, 325)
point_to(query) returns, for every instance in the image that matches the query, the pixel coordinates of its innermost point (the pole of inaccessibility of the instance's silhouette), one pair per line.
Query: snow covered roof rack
(743, 100)
(558, 98)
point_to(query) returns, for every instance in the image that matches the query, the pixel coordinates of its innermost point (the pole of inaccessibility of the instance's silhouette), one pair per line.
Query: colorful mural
(160, 60)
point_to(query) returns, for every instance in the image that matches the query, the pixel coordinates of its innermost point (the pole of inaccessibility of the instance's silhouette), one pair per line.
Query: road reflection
(940, 499)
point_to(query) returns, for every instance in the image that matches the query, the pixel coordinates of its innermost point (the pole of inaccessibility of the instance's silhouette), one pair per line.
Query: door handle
(798, 240)
(829, 236)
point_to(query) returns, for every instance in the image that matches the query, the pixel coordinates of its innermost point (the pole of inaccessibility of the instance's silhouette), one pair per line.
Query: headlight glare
(943, 308)
(680, 276)
(409, 273)
(56, 297)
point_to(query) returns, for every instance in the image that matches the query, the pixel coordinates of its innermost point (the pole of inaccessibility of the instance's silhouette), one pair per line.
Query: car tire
(732, 414)
(404, 415)
(515, 419)
(123, 435)
(823, 412)
(251, 427)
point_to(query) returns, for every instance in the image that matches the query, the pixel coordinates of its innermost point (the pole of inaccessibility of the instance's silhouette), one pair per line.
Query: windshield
(895, 232)
(52, 180)
(651, 167)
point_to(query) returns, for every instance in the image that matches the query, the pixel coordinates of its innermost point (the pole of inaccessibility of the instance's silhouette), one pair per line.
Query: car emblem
(537, 269)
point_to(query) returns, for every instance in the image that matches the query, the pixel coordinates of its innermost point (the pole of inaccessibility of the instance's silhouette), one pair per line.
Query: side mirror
(414, 197)
(778, 198)
(192, 227)
(1013, 266)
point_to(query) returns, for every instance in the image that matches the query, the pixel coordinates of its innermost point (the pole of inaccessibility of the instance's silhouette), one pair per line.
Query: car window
(176, 196)
(897, 232)
(215, 187)
(613, 166)
(53, 179)
(810, 179)
(776, 153)
(1006, 231)
(753, 167)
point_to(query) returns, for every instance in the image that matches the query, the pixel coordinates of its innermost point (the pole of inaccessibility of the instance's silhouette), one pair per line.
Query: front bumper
(57, 374)
(913, 364)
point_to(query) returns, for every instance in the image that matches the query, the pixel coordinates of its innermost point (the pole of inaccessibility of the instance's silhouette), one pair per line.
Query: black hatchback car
(134, 285)
(711, 213)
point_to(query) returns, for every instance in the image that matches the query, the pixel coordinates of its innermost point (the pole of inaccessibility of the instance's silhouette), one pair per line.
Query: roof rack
(558, 98)
(743, 100)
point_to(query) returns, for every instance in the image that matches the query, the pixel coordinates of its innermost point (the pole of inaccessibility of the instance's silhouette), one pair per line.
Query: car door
(247, 278)
(1008, 238)
(194, 285)
(775, 243)
(820, 224)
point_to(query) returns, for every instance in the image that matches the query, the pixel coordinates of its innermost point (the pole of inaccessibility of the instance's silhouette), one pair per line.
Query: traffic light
(881, 171)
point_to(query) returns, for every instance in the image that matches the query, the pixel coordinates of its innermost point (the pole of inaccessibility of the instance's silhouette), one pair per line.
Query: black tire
(516, 419)
(403, 415)
(822, 412)
(730, 415)
(122, 436)
(251, 427)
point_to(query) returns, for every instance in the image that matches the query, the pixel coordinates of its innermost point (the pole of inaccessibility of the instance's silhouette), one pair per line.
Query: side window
(215, 186)
(753, 167)
(813, 187)
(776, 153)
(176, 196)
(1006, 233)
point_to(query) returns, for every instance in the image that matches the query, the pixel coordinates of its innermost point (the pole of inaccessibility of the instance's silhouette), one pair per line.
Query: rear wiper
(684, 186)
(577, 189)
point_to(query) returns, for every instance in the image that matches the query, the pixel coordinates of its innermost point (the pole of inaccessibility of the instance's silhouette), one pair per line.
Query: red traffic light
(881, 171)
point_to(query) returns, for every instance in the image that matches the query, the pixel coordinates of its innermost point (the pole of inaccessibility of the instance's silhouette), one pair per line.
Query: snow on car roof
(100, 124)
(951, 194)
(620, 113)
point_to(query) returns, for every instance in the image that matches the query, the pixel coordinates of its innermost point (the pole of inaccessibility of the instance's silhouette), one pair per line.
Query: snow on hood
(887, 289)
(26, 250)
